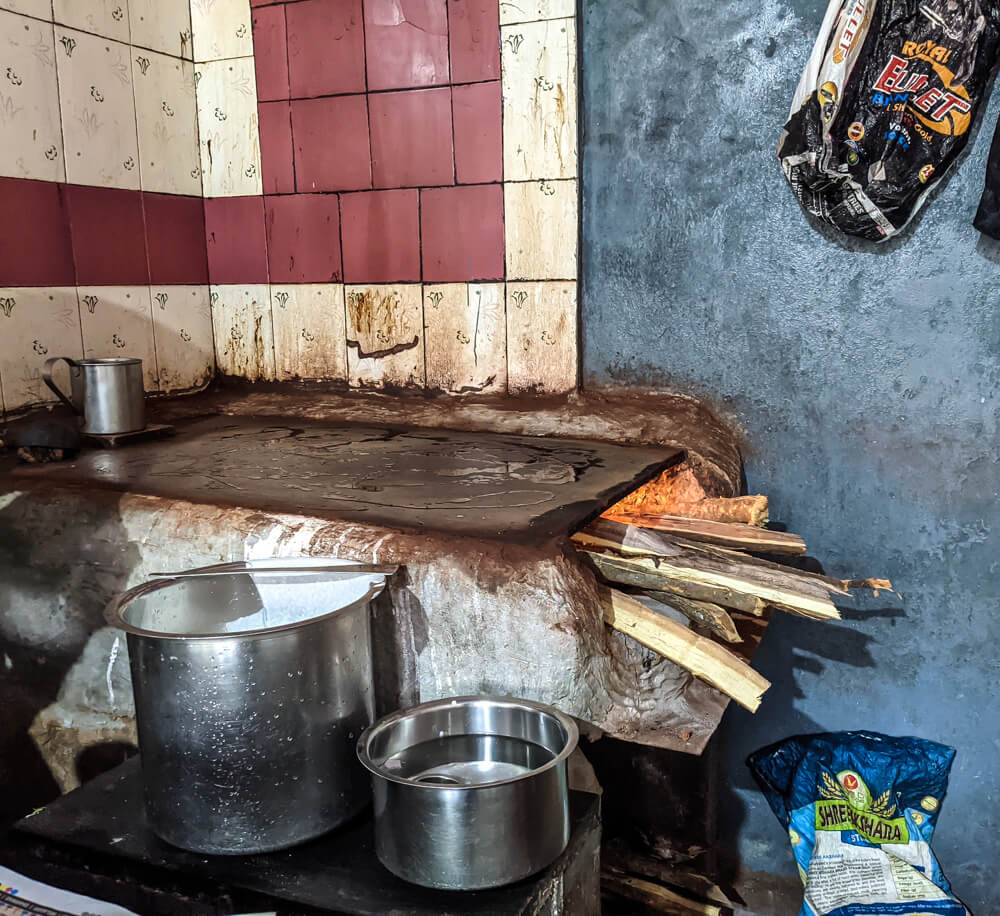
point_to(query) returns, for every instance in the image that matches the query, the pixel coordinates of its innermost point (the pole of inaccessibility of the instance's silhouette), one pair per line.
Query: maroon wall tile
(381, 236)
(331, 144)
(478, 133)
(303, 238)
(35, 245)
(474, 35)
(270, 53)
(264, 2)
(175, 238)
(277, 168)
(109, 238)
(407, 42)
(234, 233)
(462, 233)
(326, 48)
(412, 138)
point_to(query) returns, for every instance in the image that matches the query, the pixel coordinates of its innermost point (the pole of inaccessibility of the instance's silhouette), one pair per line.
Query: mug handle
(47, 378)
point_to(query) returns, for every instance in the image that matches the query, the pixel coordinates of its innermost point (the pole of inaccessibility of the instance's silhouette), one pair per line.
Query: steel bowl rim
(570, 727)
(114, 611)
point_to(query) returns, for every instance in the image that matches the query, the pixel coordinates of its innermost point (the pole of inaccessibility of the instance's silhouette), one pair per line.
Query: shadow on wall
(52, 596)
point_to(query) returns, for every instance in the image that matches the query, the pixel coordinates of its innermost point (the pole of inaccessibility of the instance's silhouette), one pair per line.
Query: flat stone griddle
(469, 483)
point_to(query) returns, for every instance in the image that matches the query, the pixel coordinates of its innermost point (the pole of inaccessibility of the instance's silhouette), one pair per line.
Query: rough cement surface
(463, 617)
(868, 379)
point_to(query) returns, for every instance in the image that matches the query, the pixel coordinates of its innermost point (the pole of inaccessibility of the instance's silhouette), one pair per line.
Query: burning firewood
(736, 510)
(704, 658)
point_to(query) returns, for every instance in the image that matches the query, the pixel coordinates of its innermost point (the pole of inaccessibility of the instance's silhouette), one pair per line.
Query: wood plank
(788, 590)
(704, 658)
(712, 617)
(660, 580)
(656, 896)
(723, 534)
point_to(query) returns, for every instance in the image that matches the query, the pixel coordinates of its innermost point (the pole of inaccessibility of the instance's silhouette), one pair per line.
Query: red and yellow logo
(945, 109)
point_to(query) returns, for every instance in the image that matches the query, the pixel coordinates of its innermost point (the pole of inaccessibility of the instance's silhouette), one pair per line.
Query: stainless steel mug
(107, 393)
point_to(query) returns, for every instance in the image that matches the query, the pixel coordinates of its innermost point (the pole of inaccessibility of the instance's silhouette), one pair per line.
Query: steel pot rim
(114, 611)
(569, 745)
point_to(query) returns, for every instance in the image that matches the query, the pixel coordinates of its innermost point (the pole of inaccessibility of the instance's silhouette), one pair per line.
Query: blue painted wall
(867, 378)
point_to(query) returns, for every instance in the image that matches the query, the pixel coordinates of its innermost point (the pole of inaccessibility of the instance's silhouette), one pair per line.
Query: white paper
(20, 896)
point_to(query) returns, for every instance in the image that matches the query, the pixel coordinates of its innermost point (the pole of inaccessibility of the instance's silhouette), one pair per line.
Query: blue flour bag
(860, 810)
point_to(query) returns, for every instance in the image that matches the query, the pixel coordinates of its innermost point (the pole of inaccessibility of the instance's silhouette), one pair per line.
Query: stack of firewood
(716, 565)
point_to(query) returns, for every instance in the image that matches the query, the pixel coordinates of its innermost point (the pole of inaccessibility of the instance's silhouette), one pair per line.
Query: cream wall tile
(309, 337)
(31, 144)
(161, 25)
(385, 340)
(40, 9)
(98, 110)
(465, 335)
(541, 337)
(35, 324)
(227, 124)
(167, 119)
(541, 226)
(108, 18)
(117, 322)
(533, 10)
(182, 330)
(221, 29)
(244, 339)
(539, 99)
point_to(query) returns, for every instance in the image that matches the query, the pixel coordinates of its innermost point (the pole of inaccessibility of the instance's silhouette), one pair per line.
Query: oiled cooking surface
(472, 483)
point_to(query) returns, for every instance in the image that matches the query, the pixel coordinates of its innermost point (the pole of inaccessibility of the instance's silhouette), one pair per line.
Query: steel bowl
(470, 793)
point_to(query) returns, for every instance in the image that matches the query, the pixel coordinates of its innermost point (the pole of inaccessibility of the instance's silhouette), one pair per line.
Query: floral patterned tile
(107, 18)
(117, 322)
(182, 330)
(36, 323)
(512, 11)
(309, 335)
(465, 334)
(98, 110)
(40, 9)
(228, 128)
(538, 60)
(244, 338)
(385, 341)
(32, 144)
(542, 229)
(167, 120)
(221, 29)
(542, 337)
(162, 25)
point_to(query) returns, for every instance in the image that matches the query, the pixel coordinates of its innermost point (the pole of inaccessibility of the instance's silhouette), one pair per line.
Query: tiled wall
(101, 241)
(395, 200)
(390, 190)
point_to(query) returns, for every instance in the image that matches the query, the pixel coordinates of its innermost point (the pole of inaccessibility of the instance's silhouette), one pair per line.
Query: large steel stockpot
(470, 793)
(251, 689)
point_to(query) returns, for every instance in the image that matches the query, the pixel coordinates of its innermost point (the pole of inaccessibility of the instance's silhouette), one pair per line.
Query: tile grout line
(503, 195)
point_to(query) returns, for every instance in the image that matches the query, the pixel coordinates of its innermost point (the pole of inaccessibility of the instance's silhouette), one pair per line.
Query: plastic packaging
(884, 107)
(860, 810)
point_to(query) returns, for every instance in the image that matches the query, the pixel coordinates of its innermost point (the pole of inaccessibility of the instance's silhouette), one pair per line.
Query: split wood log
(722, 534)
(655, 896)
(704, 658)
(662, 580)
(746, 510)
(713, 618)
(648, 555)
